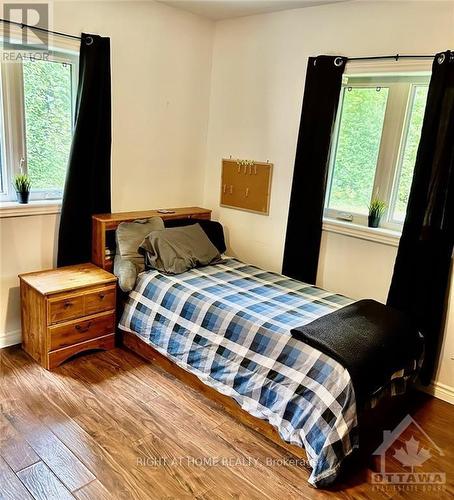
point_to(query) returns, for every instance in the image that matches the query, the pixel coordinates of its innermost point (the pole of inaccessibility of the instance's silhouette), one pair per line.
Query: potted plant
(22, 186)
(377, 208)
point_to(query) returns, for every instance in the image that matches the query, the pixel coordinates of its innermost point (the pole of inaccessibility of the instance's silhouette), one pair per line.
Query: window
(36, 122)
(374, 146)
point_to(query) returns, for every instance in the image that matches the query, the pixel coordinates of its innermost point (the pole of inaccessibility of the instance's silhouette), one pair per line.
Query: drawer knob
(101, 296)
(82, 329)
(67, 304)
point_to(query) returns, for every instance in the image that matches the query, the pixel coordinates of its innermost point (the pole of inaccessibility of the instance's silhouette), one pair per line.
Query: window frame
(402, 87)
(400, 158)
(3, 150)
(14, 152)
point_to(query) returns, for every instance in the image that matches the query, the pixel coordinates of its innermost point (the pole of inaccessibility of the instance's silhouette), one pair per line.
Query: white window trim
(390, 153)
(408, 67)
(378, 235)
(36, 207)
(394, 181)
(14, 146)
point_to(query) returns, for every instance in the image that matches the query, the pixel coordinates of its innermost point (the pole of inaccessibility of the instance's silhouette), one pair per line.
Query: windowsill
(378, 235)
(35, 207)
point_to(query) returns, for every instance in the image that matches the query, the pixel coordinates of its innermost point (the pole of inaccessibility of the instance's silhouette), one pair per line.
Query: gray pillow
(127, 270)
(178, 249)
(128, 261)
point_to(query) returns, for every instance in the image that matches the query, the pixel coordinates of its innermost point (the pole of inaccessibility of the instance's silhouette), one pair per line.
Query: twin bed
(226, 328)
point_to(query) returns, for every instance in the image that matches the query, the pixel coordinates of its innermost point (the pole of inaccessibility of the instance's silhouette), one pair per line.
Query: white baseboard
(440, 391)
(10, 338)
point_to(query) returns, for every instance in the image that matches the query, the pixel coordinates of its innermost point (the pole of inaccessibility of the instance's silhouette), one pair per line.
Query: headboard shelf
(102, 224)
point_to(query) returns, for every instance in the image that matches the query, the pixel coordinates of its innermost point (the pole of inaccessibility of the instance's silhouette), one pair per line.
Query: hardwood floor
(110, 425)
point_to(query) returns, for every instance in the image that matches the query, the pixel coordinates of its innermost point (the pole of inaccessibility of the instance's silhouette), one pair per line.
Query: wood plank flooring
(112, 426)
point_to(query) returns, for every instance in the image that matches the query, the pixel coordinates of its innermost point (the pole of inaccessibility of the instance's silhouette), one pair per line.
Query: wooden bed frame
(105, 223)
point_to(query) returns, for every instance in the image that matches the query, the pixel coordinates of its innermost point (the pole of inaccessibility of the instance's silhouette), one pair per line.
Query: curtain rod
(22, 26)
(396, 57)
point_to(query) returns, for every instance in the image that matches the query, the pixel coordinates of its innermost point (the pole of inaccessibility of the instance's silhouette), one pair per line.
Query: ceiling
(224, 9)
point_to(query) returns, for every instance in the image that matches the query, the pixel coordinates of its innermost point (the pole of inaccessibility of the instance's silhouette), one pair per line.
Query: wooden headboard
(104, 225)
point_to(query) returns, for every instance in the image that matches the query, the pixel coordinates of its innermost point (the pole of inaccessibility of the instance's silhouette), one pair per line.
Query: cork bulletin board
(246, 185)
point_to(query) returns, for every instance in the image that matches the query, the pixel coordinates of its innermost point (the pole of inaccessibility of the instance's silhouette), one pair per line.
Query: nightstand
(66, 311)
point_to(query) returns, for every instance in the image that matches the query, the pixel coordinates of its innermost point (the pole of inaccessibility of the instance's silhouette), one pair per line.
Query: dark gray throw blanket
(371, 340)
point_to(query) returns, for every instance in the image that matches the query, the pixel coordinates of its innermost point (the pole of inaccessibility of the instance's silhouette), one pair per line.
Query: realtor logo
(406, 458)
(33, 15)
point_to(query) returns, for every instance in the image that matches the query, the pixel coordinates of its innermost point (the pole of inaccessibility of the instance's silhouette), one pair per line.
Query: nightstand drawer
(100, 300)
(65, 308)
(57, 357)
(81, 330)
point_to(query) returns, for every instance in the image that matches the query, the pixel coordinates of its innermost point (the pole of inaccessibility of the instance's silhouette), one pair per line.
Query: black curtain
(87, 187)
(304, 226)
(421, 272)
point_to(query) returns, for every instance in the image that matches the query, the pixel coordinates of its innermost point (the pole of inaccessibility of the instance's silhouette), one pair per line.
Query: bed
(225, 329)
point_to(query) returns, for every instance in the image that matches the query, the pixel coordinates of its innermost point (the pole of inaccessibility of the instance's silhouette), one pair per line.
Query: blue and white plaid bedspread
(229, 324)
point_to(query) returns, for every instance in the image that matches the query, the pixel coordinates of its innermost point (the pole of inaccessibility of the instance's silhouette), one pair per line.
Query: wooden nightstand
(66, 311)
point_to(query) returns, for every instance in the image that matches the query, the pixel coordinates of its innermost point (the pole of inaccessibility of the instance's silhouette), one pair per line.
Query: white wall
(161, 64)
(26, 244)
(259, 66)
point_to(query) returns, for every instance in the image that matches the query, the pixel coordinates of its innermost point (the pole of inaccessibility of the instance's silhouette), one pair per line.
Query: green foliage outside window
(363, 111)
(358, 146)
(48, 120)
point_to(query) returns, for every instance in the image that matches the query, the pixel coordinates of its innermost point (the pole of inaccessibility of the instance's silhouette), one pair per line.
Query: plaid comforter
(229, 324)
